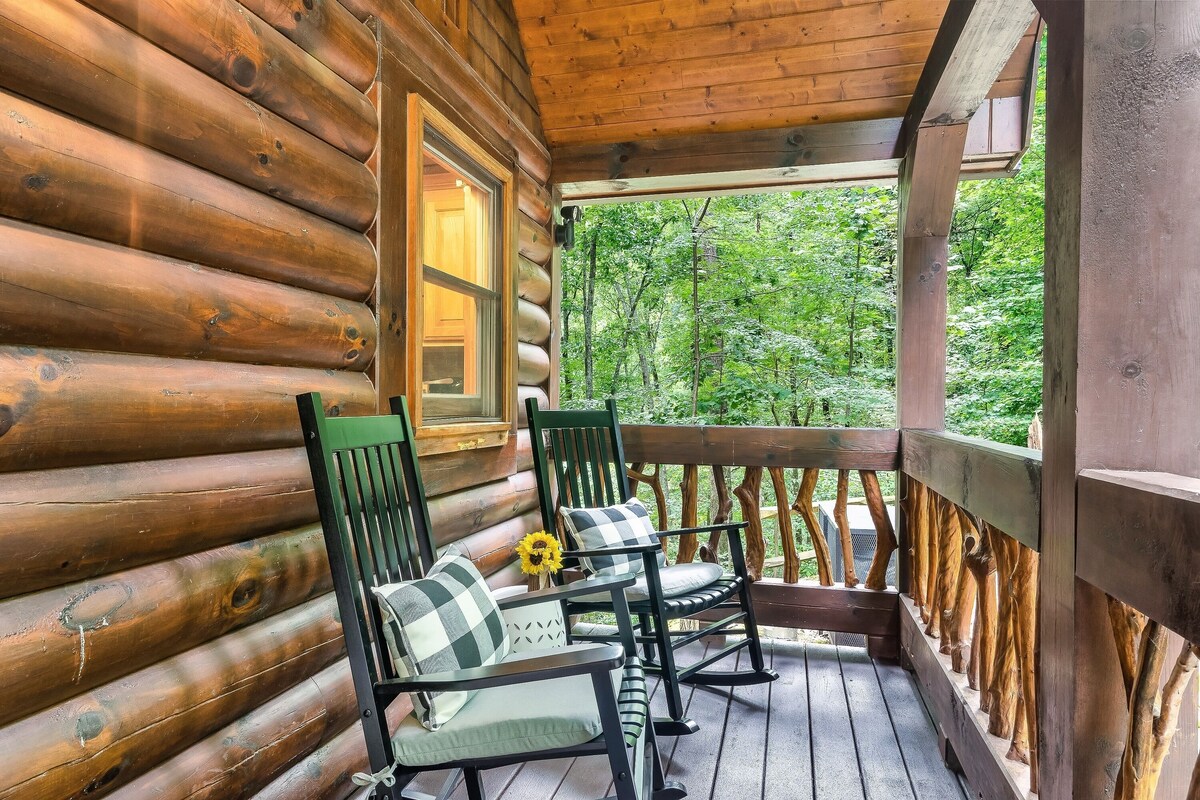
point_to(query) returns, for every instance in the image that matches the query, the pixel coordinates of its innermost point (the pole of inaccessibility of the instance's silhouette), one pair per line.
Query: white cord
(373, 779)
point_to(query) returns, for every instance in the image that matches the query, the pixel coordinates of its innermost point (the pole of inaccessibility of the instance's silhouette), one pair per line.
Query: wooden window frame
(469, 435)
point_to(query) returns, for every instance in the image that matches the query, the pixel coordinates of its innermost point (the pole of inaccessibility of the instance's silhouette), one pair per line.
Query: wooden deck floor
(835, 726)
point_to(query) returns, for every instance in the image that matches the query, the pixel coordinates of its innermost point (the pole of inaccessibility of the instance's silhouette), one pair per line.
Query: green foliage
(779, 309)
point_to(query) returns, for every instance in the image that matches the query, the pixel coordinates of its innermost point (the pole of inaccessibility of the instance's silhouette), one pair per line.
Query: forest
(780, 309)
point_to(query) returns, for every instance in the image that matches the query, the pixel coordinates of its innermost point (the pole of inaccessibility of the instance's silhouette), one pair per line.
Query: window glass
(461, 341)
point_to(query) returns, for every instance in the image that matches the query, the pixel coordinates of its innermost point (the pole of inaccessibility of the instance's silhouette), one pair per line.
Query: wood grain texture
(533, 282)
(831, 608)
(51, 400)
(533, 323)
(61, 173)
(327, 32)
(453, 516)
(125, 515)
(64, 291)
(65, 640)
(826, 448)
(224, 40)
(449, 472)
(235, 762)
(999, 483)
(109, 76)
(533, 364)
(99, 740)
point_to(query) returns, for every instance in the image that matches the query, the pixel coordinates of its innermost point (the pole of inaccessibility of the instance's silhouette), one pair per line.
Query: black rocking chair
(376, 524)
(586, 459)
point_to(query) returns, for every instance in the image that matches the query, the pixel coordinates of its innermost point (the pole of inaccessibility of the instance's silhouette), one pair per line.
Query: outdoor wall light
(564, 234)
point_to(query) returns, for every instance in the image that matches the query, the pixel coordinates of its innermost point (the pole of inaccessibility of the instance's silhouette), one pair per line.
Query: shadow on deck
(835, 726)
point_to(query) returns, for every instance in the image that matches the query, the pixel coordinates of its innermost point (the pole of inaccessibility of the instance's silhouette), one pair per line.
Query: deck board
(834, 726)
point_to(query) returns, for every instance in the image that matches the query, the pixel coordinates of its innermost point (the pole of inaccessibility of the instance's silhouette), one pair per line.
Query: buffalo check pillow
(625, 525)
(443, 622)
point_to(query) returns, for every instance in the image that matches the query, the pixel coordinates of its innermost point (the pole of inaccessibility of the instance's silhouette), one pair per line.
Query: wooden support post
(1122, 207)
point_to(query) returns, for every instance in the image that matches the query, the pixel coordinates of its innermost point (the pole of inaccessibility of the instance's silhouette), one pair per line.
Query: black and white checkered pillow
(614, 526)
(443, 622)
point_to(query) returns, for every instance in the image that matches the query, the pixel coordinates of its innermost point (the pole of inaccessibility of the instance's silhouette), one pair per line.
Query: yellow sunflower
(540, 554)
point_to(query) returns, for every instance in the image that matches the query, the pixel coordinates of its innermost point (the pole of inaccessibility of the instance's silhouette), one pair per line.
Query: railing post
(1121, 333)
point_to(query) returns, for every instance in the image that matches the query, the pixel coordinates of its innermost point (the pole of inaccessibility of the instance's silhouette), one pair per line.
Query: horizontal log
(494, 548)
(955, 711)
(69, 639)
(125, 515)
(57, 172)
(451, 472)
(244, 757)
(997, 482)
(222, 39)
(533, 364)
(745, 446)
(327, 32)
(533, 198)
(62, 408)
(324, 774)
(71, 58)
(533, 282)
(1138, 534)
(508, 576)
(534, 240)
(448, 75)
(525, 392)
(104, 738)
(453, 516)
(828, 608)
(533, 323)
(61, 290)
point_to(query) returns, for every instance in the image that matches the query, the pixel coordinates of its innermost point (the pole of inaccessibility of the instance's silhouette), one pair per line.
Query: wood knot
(35, 182)
(244, 593)
(89, 725)
(335, 411)
(1131, 370)
(264, 159)
(48, 372)
(297, 16)
(352, 332)
(244, 71)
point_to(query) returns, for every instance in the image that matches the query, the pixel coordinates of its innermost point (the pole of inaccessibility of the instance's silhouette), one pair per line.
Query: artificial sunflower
(540, 554)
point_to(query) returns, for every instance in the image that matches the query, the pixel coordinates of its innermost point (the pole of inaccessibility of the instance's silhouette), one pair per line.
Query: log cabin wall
(188, 238)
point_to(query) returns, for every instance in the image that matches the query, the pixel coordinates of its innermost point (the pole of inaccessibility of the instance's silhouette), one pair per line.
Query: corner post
(1121, 333)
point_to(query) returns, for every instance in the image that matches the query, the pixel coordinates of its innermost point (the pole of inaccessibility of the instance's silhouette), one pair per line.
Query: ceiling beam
(974, 42)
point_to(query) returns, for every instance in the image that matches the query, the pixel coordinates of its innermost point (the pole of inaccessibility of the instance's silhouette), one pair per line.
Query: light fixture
(564, 234)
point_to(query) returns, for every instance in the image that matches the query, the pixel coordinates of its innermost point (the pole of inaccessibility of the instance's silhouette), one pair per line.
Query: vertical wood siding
(186, 209)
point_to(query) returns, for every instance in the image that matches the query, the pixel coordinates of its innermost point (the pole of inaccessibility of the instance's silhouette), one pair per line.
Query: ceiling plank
(974, 43)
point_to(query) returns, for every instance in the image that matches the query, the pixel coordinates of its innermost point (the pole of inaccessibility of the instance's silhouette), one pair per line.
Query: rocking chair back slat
(583, 453)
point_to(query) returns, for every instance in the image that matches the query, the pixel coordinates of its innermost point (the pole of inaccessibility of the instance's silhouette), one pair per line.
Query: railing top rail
(749, 446)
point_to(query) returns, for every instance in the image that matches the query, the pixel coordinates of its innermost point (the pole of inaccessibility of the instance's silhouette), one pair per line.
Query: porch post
(928, 182)
(1122, 332)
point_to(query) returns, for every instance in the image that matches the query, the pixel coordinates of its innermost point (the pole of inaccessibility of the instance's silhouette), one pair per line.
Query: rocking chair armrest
(630, 550)
(567, 591)
(722, 526)
(556, 664)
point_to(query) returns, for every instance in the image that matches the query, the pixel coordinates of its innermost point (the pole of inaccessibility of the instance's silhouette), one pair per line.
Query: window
(460, 298)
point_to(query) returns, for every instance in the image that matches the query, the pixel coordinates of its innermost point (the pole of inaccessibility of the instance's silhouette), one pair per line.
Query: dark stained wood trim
(1138, 541)
(1000, 483)
(956, 717)
(745, 446)
(973, 44)
(828, 608)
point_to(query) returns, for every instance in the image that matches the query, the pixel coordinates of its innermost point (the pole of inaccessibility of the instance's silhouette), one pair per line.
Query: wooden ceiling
(609, 71)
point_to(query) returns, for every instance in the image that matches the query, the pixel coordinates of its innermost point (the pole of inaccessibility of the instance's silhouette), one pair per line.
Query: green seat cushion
(508, 720)
(677, 579)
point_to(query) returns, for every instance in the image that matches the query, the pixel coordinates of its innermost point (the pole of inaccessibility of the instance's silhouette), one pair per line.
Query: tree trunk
(589, 307)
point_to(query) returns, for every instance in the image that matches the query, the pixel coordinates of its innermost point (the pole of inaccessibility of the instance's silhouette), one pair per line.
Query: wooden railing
(969, 627)
(719, 452)
(1134, 544)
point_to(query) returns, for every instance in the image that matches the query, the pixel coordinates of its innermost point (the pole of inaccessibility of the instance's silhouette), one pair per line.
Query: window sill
(456, 438)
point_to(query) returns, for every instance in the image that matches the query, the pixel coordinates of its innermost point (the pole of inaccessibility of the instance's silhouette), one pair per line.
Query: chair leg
(661, 788)
(474, 784)
(677, 724)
